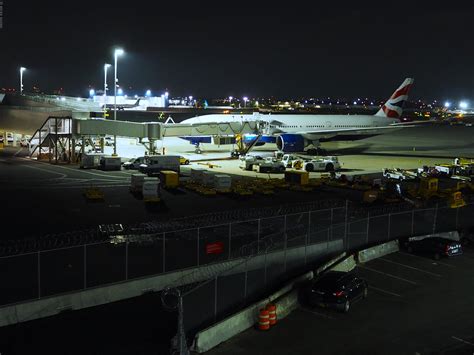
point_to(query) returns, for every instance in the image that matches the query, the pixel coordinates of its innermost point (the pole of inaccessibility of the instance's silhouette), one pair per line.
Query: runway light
(463, 105)
(447, 104)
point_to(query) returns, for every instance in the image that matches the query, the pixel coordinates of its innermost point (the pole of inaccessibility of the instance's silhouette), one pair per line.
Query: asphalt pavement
(415, 306)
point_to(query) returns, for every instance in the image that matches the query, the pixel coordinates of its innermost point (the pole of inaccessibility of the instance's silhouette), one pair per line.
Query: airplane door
(328, 124)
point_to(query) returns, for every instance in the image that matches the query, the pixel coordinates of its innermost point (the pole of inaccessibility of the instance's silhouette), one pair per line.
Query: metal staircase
(52, 139)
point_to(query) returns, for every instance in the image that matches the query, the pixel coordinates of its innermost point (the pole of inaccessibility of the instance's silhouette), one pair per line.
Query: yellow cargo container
(297, 177)
(169, 179)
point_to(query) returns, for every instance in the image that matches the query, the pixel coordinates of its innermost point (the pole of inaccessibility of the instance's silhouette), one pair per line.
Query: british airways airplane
(299, 133)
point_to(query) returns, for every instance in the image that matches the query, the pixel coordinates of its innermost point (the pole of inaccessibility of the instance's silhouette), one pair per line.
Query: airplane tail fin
(393, 108)
(138, 101)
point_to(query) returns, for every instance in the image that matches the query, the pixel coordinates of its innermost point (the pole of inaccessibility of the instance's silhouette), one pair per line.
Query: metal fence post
(39, 274)
(230, 241)
(85, 266)
(258, 236)
(308, 233)
(215, 298)
(126, 261)
(246, 279)
(457, 219)
(435, 218)
(198, 236)
(346, 218)
(330, 226)
(368, 226)
(265, 270)
(285, 242)
(388, 231)
(164, 252)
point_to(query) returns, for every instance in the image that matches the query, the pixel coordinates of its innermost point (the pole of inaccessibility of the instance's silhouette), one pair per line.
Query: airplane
(121, 107)
(300, 133)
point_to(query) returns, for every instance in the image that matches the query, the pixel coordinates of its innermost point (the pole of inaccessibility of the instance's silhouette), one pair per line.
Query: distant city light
(148, 93)
(167, 94)
(355, 102)
(190, 97)
(63, 99)
(125, 96)
(136, 96)
(91, 92)
(119, 92)
(78, 99)
(231, 98)
(463, 105)
(447, 104)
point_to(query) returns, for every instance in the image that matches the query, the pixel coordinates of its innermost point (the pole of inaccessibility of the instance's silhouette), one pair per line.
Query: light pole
(22, 69)
(106, 66)
(116, 54)
(245, 101)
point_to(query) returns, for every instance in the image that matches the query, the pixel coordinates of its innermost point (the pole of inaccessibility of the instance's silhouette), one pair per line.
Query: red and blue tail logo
(393, 108)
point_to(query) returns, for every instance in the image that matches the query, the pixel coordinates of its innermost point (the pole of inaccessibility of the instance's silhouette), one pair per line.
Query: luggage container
(151, 189)
(196, 174)
(222, 183)
(207, 178)
(169, 179)
(297, 177)
(91, 160)
(136, 182)
(110, 163)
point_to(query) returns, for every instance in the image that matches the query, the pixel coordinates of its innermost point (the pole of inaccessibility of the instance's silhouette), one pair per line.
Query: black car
(435, 247)
(336, 289)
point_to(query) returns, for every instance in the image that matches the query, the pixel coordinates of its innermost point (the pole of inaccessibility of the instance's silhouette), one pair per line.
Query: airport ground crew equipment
(136, 183)
(297, 177)
(169, 179)
(151, 190)
(264, 320)
(456, 200)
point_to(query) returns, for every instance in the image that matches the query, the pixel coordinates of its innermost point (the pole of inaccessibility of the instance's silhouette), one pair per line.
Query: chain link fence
(231, 257)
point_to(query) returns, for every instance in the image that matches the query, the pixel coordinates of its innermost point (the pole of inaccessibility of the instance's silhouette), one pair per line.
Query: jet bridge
(77, 132)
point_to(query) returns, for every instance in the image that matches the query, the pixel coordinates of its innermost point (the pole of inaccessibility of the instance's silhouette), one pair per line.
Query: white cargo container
(110, 163)
(91, 160)
(151, 189)
(136, 182)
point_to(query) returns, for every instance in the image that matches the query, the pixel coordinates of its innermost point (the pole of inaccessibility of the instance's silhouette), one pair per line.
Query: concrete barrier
(49, 306)
(286, 300)
(378, 251)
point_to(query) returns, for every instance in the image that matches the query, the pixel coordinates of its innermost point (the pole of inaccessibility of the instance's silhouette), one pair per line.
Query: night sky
(242, 48)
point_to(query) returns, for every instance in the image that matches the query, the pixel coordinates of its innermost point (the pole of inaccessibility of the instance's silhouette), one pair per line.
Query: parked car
(336, 289)
(435, 247)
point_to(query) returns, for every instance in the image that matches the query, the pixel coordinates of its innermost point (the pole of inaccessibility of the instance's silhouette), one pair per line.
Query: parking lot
(416, 305)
